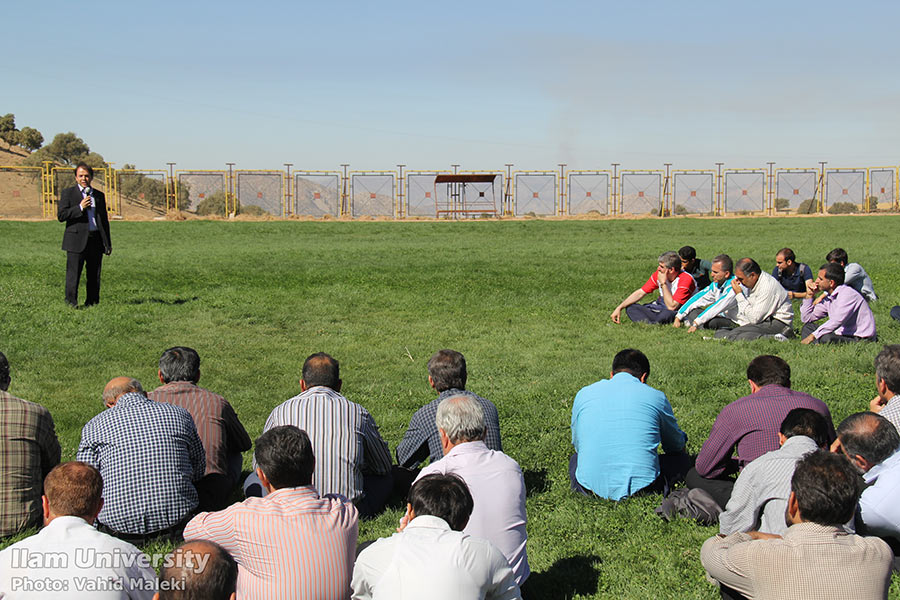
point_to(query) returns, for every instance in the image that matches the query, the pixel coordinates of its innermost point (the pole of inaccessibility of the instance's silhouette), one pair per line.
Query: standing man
(849, 317)
(713, 307)
(765, 310)
(87, 234)
(792, 275)
(674, 286)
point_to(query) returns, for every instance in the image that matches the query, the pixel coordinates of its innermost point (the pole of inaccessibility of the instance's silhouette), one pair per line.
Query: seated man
(715, 306)
(816, 558)
(199, 569)
(447, 376)
(792, 275)
(849, 317)
(695, 267)
(871, 443)
(353, 460)
(674, 286)
(493, 478)
(28, 450)
(68, 550)
(854, 275)
(887, 379)
(765, 310)
(224, 437)
(760, 495)
(430, 557)
(292, 543)
(617, 426)
(149, 455)
(750, 424)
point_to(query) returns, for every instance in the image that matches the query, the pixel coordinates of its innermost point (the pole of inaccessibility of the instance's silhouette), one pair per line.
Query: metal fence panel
(796, 187)
(21, 197)
(882, 188)
(372, 195)
(260, 192)
(316, 194)
(535, 194)
(845, 186)
(745, 191)
(641, 193)
(693, 193)
(422, 196)
(145, 189)
(200, 185)
(588, 193)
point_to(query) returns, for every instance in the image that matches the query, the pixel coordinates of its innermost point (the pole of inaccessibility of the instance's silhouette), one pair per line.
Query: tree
(8, 131)
(808, 207)
(842, 208)
(30, 139)
(214, 204)
(68, 149)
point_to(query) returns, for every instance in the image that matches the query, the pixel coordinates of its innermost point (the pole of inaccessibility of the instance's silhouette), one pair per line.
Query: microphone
(88, 193)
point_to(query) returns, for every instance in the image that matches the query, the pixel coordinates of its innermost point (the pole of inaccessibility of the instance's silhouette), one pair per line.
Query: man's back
(289, 544)
(28, 450)
(617, 426)
(878, 505)
(149, 454)
(344, 437)
(498, 489)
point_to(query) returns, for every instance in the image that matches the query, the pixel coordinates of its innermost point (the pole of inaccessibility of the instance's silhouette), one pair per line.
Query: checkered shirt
(422, 440)
(891, 411)
(149, 455)
(28, 450)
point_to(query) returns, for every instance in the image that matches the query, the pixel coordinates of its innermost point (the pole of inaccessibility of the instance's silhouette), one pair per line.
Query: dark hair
(725, 261)
(86, 167)
(834, 271)
(805, 421)
(787, 254)
(631, 361)
(186, 580)
(443, 496)
(767, 369)
(868, 435)
(285, 456)
(447, 369)
(687, 253)
(73, 489)
(887, 367)
(838, 255)
(322, 369)
(4, 372)
(180, 363)
(826, 487)
(748, 266)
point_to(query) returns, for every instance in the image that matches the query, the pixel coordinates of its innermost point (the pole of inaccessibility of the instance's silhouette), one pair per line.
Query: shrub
(842, 208)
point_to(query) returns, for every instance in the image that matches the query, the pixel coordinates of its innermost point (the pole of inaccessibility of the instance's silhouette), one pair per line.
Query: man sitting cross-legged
(713, 307)
(854, 275)
(764, 311)
(493, 478)
(849, 317)
(292, 543)
(430, 557)
(816, 558)
(761, 491)
(674, 287)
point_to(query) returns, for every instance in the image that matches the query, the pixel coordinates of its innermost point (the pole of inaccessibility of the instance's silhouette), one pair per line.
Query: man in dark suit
(87, 234)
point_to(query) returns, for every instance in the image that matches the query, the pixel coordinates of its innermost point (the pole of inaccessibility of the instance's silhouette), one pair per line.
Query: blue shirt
(795, 282)
(878, 505)
(617, 425)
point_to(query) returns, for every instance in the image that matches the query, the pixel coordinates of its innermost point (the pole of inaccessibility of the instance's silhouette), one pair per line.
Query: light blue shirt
(878, 505)
(617, 426)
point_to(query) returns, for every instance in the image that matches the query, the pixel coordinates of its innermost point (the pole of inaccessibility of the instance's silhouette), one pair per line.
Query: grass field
(527, 302)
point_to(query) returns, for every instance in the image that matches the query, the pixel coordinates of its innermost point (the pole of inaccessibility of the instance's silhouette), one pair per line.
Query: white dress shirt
(766, 299)
(70, 559)
(429, 561)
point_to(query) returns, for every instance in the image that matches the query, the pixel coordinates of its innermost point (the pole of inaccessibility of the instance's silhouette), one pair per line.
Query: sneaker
(779, 337)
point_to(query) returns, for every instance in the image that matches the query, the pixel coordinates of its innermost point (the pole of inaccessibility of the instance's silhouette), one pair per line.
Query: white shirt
(766, 299)
(70, 559)
(498, 489)
(429, 561)
(878, 505)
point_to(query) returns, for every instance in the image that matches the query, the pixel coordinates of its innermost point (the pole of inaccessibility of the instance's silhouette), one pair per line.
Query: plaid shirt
(148, 454)
(28, 450)
(422, 439)
(344, 437)
(217, 424)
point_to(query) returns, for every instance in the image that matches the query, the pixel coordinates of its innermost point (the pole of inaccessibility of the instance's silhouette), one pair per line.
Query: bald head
(119, 386)
(198, 570)
(867, 438)
(322, 369)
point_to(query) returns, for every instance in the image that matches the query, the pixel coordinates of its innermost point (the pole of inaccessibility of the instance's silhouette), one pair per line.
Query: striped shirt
(217, 424)
(344, 437)
(149, 455)
(289, 544)
(28, 450)
(716, 299)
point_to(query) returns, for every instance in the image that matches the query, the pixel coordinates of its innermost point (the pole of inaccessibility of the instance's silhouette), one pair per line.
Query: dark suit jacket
(76, 235)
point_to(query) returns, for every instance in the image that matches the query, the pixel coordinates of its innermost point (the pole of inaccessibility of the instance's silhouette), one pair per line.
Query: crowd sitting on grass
(793, 496)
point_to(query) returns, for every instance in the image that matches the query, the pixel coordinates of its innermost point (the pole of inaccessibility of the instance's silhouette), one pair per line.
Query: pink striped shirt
(291, 544)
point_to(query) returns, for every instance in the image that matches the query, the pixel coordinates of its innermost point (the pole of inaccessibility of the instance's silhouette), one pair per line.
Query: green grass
(527, 302)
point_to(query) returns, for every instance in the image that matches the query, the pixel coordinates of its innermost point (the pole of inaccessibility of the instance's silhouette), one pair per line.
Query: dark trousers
(714, 323)
(672, 469)
(768, 328)
(174, 533)
(92, 256)
(214, 490)
(895, 313)
(653, 312)
(833, 338)
(719, 488)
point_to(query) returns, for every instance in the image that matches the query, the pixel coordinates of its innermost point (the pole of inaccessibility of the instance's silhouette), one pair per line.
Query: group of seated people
(742, 302)
(795, 499)
(166, 465)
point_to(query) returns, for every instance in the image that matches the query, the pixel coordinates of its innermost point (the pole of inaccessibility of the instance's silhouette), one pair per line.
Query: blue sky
(480, 84)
